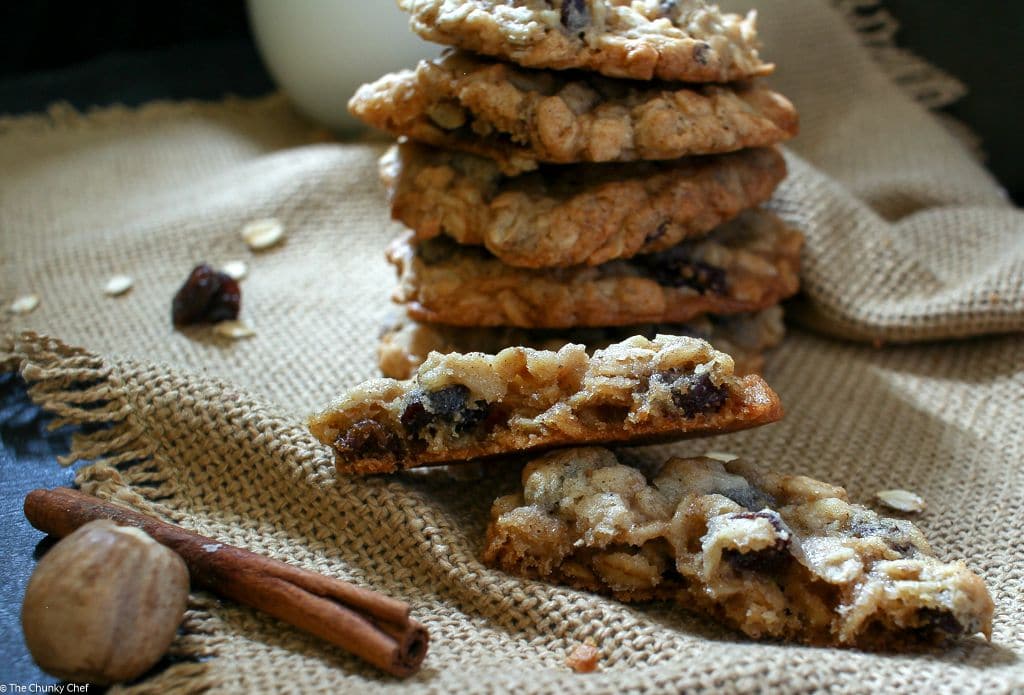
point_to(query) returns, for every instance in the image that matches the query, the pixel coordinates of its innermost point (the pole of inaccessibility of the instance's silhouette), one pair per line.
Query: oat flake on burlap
(908, 240)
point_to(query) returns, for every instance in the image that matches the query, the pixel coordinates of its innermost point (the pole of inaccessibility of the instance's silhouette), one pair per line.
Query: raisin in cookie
(405, 344)
(778, 557)
(459, 407)
(572, 215)
(520, 117)
(747, 264)
(685, 40)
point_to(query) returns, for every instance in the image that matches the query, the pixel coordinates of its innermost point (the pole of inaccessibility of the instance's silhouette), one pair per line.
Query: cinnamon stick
(372, 626)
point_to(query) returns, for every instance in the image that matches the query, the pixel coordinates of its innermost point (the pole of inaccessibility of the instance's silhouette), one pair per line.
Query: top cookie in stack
(607, 176)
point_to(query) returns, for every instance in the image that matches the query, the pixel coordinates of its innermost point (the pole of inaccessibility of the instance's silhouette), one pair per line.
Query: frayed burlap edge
(80, 388)
(877, 29)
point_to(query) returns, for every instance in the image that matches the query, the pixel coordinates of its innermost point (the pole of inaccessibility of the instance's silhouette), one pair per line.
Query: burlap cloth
(908, 239)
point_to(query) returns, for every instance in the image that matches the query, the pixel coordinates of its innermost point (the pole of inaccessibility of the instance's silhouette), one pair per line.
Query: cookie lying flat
(782, 557)
(405, 344)
(578, 214)
(460, 407)
(681, 40)
(519, 117)
(745, 265)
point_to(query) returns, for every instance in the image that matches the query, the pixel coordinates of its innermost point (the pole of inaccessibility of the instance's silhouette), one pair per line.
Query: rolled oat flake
(901, 500)
(117, 285)
(25, 304)
(262, 234)
(234, 330)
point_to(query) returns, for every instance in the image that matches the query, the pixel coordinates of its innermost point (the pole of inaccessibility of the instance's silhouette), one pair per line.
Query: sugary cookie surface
(685, 40)
(464, 406)
(747, 264)
(572, 215)
(405, 344)
(780, 557)
(520, 117)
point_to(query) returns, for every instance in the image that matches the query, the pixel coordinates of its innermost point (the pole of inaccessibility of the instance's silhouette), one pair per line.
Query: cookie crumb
(118, 285)
(901, 500)
(25, 304)
(584, 657)
(262, 234)
(234, 330)
(236, 270)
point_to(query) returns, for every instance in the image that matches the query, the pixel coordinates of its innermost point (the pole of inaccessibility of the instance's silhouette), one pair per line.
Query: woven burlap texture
(908, 239)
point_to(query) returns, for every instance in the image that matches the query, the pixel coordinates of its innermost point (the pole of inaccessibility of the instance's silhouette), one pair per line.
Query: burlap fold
(908, 239)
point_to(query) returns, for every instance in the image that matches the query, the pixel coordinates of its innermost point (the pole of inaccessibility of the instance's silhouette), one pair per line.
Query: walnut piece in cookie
(775, 556)
(572, 215)
(748, 264)
(405, 344)
(459, 407)
(683, 40)
(520, 117)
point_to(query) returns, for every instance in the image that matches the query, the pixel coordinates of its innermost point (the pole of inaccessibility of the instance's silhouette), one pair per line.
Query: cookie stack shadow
(583, 205)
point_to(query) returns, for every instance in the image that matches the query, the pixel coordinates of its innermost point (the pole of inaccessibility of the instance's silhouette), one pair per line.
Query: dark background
(117, 51)
(109, 51)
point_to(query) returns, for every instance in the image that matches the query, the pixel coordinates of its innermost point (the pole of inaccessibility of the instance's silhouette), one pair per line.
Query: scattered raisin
(694, 393)
(667, 7)
(368, 438)
(208, 296)
(575, 16)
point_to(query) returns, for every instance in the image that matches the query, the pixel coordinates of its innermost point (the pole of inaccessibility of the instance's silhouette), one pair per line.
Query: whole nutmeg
(104, 604)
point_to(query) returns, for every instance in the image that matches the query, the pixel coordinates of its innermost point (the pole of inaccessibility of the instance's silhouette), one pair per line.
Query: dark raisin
(694, 393)
(449, 405)
(667, 7)
(575, 16)
(768, 560)
(368, 438)
(415, 417)
(207, 296)
(700, 53)
(448, 402)
(940, 620)
(749, 497)
(436, 250)
(658, 232)
(673, 269)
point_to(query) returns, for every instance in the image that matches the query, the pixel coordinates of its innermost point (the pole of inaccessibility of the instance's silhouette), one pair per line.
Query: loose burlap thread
(908, 239)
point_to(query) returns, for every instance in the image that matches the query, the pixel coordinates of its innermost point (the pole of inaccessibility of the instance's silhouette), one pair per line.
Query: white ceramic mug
(320, 51)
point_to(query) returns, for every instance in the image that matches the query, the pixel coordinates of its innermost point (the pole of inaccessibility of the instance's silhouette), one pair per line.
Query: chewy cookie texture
(405, 344)
(665, 39)
(747, 264)
(520, 117)
(778, 557)
(465, 406)
(573, 214)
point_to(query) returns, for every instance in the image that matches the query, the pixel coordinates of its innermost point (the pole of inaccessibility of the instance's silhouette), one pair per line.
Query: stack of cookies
(583, 171)
(592, 172)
